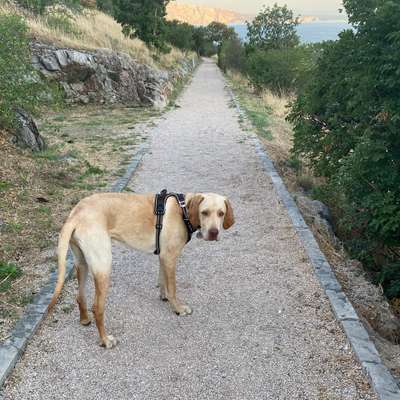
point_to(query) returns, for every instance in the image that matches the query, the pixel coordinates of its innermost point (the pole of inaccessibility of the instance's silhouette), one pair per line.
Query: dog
(130, 219)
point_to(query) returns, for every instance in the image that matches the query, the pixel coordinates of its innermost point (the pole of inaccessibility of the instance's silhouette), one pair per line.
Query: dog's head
(210, 212)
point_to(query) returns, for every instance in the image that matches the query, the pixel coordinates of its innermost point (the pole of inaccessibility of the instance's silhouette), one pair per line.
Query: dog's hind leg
(82, 274)
(96, 247)
(102, 282)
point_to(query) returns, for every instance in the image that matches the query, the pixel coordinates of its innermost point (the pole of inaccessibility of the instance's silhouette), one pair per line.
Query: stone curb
(379, 376)
(12, 349)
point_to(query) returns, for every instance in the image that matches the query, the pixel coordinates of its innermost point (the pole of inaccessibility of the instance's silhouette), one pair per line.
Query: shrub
(19, 84)
(280, 70)
(232, 55)
(347, 123)
(180, 35)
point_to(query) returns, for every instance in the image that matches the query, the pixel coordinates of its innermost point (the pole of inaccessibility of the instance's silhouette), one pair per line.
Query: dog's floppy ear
(229, 220)
(193, 207)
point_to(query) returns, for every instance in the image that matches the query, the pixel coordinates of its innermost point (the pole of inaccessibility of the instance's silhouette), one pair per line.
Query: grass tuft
(8, 272)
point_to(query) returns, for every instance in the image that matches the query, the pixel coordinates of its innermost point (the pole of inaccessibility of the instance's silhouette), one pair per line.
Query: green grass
(90, 171)
(49, 154)
(4, 186)
(257, 112)
(8, 272)
(13, 227)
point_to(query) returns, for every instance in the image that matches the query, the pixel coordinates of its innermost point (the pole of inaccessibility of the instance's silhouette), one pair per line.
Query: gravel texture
(261, 328)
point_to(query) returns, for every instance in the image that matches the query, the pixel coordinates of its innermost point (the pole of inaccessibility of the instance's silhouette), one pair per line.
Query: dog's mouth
(208, 238)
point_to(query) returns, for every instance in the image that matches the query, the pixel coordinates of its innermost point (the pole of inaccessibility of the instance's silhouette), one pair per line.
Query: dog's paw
(183, 310)
(85, 321)
(163, 295)
(109, 342)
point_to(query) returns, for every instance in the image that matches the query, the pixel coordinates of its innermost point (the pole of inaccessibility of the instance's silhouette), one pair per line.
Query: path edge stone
(379, 376)
(12, 348)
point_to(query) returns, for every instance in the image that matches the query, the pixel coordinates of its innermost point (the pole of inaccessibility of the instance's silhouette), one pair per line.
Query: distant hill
(203, 15)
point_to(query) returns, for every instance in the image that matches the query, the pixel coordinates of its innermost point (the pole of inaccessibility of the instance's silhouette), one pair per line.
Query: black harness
(159, 211)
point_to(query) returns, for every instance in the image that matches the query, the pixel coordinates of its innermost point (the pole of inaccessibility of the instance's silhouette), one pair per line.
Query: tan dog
(129, 218)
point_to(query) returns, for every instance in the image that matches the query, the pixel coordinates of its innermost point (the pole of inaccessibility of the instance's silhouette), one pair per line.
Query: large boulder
(105, 76)
(27, 133)
(318, 215)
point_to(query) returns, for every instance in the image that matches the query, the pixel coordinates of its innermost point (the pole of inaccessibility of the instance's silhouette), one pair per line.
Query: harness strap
(159, 211)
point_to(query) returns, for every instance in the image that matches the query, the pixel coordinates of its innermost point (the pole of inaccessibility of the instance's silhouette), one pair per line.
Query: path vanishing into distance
(262, 327)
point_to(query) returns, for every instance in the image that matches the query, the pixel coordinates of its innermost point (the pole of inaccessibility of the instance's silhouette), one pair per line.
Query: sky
(302, 7)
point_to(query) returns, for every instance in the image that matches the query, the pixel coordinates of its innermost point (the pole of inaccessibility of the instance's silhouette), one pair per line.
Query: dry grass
(267, 113)
(88, 149)
(91, 30)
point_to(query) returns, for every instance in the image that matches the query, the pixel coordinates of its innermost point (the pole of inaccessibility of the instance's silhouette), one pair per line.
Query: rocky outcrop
(318, 215)
(26, 132)
(106, 77)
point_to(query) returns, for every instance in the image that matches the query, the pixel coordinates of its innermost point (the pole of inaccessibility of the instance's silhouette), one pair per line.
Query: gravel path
(261, 327)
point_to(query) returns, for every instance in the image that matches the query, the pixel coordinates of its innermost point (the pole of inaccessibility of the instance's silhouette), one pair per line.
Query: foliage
(273, 28)
(180, 35)
(19, 84)
(202, 43)
(347, 123)
(106, 6)
(8, 272)
(40, 6)
(144, 19)
(232, 55)
(281, 70)
(218, 32)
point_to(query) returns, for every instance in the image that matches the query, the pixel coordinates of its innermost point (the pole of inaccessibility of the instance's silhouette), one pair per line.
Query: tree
(107, 6)
(347, 124)
(218, 32)
(180, 35)
(232, 55)
(144, 19)
(273, 28)
(203, 45)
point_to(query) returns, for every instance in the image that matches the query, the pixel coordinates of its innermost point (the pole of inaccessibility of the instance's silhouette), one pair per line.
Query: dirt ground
(88, 148)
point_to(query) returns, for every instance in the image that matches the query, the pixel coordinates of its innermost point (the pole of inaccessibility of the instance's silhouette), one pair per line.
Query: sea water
(312, 32)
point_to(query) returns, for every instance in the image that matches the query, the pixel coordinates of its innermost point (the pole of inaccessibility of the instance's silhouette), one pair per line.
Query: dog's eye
(205, 213)
(220, 214)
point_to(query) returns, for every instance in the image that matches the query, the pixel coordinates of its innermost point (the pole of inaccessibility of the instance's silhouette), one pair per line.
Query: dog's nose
(213, 233)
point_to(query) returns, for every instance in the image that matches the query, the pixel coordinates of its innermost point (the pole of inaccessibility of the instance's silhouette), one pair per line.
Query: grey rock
(105, 76)
(27, 133)
(318, 214)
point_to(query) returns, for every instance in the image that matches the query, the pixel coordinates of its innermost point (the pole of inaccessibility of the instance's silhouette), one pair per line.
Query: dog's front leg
(168, 266)
(161, 283)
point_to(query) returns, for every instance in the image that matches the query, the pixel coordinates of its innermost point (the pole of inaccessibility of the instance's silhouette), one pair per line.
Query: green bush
(19, 84)
(280, 70)
(232, 55)
(180, 35)
(347, 123)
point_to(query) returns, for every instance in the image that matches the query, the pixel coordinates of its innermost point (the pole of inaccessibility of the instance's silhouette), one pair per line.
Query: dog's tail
(63, 242)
